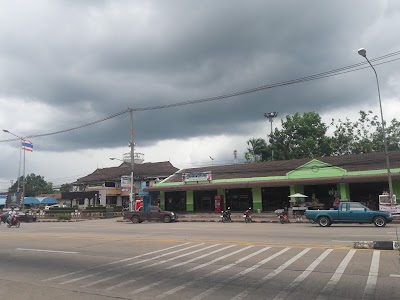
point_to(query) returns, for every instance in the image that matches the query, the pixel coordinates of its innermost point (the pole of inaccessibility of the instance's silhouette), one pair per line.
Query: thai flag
(27, 145)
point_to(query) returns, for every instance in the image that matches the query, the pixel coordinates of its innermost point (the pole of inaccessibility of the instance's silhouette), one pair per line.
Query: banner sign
(125, 181)
(196, 176)
(393, 209)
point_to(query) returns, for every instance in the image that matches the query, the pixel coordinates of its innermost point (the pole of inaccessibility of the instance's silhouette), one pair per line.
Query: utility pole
(132, 145)
(270, 116)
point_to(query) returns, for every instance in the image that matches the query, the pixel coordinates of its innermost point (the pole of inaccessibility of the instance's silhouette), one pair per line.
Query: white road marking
(246, 292)
(147, 266)
(115, 262)
(328, 289)
(285, 293)
(369, 292)
(51, 251)
(124, 266)
(196, 258)
(339, 241)
(192, 269)
(244, 272)
(123, 283)
(394, 275)
(187, 284)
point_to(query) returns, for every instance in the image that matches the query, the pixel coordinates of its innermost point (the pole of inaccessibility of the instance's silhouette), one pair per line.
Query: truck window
(344, 207)
(356, 206)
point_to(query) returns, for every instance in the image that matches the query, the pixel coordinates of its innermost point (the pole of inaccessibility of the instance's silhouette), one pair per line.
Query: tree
(364, 135)
(301, 137)
(66, 187)
(257, 150)
(34, 185)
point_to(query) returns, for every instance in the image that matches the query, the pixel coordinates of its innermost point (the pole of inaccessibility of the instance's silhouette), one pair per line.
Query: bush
(64, 217)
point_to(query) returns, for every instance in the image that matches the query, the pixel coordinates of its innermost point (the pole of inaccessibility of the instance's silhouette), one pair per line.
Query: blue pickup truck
(349, 212)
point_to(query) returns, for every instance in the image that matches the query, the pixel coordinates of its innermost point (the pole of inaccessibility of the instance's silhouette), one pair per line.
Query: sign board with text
(196, 176)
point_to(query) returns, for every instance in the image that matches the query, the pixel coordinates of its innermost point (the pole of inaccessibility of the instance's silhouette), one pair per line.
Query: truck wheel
(324, 221)
(379, 221)
(135, 219)
(166, 219)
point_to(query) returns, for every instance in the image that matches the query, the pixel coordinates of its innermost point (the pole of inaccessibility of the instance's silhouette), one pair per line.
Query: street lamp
(19, 169)
(363, 53)
(270, 116)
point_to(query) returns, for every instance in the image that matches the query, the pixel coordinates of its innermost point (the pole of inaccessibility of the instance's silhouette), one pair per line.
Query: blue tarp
(31, 200)
(47, 200)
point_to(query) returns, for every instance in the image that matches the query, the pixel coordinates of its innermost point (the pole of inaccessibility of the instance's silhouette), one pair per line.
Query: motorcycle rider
(11, 214)
(228, 214)
(247, 214)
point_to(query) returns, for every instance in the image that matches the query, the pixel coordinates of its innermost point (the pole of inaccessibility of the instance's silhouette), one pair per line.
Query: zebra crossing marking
(253, 287)
(328, 289)
(284, 294)
(124, 266)
(369, 292)
(190, 283)
(112, 263)
(191, 270)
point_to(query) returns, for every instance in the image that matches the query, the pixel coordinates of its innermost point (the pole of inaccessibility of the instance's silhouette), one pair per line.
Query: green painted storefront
(313, 175)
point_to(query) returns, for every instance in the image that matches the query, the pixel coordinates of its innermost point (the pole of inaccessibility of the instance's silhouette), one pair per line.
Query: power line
(335, 72)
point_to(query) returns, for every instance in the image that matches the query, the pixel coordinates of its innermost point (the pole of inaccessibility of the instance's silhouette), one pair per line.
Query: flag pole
(23, 187)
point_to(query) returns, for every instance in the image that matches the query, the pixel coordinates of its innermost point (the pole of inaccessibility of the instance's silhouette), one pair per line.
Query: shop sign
(125, 182)
(393, 209)
(196, 176)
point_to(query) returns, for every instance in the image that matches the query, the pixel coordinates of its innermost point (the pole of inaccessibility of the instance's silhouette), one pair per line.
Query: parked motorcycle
(226, 216)
(283, 218)
(247, 216)
(13, 222)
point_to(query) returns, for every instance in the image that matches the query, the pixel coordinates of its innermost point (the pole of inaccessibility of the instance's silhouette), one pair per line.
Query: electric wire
(335, 72)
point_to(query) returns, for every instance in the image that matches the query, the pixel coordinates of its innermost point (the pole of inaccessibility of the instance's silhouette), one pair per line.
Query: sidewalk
(209, 217)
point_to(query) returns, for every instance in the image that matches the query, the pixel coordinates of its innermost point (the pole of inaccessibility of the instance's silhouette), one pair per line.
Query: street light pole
(270, 116)
(19, 169)
(363, 53)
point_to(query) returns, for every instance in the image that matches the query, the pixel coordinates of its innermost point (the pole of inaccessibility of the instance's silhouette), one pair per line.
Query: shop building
(103, 186)
(266, 186)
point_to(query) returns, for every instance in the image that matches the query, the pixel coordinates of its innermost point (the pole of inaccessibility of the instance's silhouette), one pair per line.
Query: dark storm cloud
(94, 58)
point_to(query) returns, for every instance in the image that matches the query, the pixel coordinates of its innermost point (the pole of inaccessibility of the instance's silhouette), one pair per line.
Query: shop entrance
(175, 201)
(204, 200)
(275, 198)
(320, 194)
(239, 199)
(368, 193)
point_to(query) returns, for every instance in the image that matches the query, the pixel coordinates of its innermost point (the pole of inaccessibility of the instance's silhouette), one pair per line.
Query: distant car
(23, 217)
(47, 207)
(153, 213)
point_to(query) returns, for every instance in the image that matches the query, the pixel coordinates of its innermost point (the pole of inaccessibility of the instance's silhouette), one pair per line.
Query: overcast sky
(68, 63)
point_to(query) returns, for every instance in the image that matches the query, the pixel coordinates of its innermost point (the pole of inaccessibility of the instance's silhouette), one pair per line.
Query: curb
(381, 245)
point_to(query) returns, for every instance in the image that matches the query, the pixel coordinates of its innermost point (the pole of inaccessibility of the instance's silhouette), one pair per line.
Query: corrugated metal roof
(351, 163)
(157, 169)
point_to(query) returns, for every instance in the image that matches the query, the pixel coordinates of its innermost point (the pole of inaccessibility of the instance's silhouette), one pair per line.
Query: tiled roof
(145, 170)
(356, 162)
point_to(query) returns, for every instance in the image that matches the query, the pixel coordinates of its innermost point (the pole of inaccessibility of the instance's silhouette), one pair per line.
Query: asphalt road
(105, 259)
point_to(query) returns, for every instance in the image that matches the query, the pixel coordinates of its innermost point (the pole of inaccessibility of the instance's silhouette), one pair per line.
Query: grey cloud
(98, 58)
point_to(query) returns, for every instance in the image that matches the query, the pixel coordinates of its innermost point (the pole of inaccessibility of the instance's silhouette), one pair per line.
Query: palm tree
(256, 150)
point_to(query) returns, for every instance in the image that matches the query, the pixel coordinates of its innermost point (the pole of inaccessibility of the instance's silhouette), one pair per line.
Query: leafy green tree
(364, 135)
(34, 185)
(66, 187)
(257, 150)
(301, 137)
